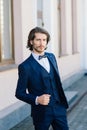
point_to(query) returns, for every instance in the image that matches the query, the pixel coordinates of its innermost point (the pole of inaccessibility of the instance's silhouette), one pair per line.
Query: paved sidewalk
(75, 118)
(80, 87)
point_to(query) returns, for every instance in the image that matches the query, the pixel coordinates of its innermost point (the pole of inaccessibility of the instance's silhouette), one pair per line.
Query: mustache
(42, 46)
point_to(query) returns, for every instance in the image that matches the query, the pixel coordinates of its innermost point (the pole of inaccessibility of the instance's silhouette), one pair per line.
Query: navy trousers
(54, 115)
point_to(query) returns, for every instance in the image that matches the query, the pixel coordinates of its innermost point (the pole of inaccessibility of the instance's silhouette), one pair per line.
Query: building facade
(65, 20)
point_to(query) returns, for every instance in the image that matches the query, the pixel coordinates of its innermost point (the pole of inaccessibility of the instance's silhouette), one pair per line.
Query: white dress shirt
(43, 62)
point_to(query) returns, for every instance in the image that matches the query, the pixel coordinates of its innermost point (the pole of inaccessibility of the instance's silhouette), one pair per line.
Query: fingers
(44, 99)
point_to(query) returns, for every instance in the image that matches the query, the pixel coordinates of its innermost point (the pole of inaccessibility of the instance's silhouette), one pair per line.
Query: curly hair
(31, 36)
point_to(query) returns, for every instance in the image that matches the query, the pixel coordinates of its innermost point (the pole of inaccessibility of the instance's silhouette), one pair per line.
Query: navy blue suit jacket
(31, 79)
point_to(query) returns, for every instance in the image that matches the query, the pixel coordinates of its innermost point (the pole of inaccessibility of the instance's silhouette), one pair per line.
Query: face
(39, 43)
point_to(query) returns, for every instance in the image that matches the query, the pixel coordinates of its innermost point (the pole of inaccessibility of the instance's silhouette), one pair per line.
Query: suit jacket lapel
(52, 61)
(34, 64)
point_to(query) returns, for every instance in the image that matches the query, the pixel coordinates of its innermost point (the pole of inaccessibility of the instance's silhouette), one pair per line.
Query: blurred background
(66, 21)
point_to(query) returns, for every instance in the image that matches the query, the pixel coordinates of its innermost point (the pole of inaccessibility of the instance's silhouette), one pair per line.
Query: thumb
(48, 95)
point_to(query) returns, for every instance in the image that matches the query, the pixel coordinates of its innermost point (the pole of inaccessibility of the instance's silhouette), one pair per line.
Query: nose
(41, 42)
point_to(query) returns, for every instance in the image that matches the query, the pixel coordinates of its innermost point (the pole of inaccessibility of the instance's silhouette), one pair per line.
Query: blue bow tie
(43, 56)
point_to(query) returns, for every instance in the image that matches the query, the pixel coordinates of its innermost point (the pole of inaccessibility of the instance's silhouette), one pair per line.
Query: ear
(31, 42)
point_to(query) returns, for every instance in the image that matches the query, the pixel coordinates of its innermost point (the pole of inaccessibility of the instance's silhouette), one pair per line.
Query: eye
(44, 39)
(37, 39)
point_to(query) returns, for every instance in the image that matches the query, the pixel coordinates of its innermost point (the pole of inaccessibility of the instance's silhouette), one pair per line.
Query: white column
(29, 21)
(50, 23)
(85, 30)
(25, 18)
(84, 34)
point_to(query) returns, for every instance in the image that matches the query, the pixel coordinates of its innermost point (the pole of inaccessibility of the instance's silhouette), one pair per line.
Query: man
(40, 77)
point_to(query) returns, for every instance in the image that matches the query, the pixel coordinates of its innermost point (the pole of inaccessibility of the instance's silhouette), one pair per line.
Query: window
(6, 35)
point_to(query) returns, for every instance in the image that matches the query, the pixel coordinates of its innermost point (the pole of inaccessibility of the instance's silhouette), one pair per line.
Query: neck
(38, 53)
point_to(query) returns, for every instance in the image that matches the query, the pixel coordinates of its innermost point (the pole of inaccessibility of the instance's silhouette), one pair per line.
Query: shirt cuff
(36, 101)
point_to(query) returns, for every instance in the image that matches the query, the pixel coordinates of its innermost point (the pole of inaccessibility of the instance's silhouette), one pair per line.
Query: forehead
(40, 35)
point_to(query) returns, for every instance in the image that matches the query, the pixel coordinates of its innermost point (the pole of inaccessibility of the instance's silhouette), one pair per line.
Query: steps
(71, 96)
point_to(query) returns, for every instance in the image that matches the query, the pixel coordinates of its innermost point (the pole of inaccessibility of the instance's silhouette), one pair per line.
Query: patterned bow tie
(43, 56)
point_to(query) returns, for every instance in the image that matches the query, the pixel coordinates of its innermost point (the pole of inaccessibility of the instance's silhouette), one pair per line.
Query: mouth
(41, 47)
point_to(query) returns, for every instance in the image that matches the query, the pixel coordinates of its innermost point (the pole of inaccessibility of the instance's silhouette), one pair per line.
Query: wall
(51, 23)
(8, 80)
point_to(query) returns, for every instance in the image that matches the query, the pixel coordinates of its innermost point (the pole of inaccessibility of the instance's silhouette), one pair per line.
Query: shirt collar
(36, 56)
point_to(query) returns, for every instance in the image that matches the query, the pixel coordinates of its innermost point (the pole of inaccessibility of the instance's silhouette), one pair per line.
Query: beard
(39, 49)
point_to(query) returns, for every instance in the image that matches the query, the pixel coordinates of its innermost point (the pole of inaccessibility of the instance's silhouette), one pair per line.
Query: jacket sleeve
(22, 85)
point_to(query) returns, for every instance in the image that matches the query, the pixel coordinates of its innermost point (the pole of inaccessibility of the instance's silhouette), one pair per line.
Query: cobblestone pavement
(77, 118)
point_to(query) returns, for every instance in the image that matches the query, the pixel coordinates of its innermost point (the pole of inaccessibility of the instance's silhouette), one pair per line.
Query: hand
(44, 99)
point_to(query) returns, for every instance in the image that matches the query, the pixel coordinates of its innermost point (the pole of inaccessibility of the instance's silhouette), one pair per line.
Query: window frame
(10, 60)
